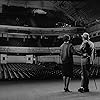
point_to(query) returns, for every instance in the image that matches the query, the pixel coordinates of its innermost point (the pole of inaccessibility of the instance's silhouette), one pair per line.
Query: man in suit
(87, 50)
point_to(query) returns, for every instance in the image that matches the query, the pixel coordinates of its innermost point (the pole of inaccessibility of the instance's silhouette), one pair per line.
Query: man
(87, 49)
(67, 51)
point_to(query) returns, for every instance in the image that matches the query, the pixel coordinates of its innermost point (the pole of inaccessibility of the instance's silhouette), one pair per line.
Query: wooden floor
(46, 90)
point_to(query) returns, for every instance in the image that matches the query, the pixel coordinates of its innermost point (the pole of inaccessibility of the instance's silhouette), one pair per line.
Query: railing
(8, 49)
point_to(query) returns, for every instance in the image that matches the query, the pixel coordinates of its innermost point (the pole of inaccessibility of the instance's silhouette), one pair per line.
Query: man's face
(83, 38)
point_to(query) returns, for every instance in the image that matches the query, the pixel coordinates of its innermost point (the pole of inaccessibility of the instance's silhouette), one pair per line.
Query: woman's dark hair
(66, 38)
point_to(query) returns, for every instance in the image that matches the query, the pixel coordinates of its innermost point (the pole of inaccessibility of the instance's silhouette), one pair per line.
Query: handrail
(8, 49)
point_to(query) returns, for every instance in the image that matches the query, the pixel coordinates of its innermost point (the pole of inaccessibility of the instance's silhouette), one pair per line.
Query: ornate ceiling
(84, 12)
(87, 11)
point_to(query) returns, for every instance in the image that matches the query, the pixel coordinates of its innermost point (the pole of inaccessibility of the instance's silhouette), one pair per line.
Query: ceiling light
(39, 11)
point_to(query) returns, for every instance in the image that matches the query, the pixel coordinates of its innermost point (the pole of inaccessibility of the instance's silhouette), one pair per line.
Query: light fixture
(39, 11)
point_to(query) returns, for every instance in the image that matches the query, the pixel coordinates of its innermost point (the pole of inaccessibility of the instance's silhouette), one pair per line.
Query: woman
(67, 51)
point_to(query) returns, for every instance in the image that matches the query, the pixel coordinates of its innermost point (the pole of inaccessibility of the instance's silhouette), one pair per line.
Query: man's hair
(66, 38)
(85, 36)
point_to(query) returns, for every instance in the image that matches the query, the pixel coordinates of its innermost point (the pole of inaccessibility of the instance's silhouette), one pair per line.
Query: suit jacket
(92, 56)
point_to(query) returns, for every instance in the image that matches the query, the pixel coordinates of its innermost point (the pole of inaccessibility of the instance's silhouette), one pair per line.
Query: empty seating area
(11, 42)
(47, 41)
(26, 71)
(40, 71)
(3, 41)
(16, 42)
(30, 42)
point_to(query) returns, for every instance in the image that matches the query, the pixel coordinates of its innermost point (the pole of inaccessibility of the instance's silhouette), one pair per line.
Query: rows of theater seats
(40, 71)
(25, 71)
(11, 42)
(94, 71)
(21, 42)
(3, 41)
(15, 42)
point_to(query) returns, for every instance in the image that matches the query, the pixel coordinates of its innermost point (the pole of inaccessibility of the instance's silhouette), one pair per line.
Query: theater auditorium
(31, 33)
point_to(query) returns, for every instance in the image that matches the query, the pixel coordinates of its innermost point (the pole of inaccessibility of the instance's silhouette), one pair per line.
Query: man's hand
(85, 55)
